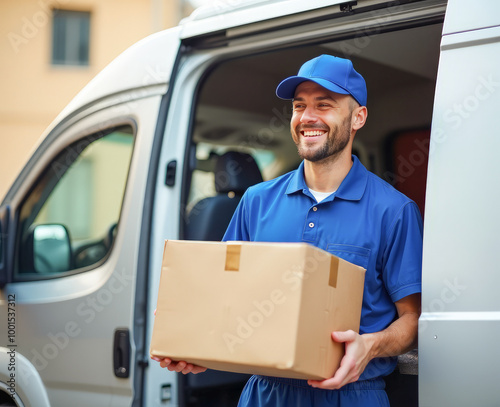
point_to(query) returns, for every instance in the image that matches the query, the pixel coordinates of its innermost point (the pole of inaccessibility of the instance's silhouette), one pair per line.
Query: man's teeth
(313, 133)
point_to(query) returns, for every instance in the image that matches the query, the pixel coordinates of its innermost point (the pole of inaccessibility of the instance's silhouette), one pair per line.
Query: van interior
(237, 111)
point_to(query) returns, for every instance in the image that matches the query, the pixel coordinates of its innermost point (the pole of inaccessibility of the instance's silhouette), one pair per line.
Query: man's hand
(357, 355)
(180, 367)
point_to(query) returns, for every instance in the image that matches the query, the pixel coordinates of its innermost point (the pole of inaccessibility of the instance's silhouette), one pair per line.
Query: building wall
(33, 90)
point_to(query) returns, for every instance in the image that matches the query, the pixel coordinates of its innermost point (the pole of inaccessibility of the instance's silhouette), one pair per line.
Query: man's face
(321, 122)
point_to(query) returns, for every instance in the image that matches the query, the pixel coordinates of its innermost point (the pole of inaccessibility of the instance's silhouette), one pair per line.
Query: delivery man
(333, 202)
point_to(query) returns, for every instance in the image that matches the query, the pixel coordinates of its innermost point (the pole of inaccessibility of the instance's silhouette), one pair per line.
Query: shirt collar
(352, 187)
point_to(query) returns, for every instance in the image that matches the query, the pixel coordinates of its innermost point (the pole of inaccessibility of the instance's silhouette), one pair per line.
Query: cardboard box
(261, 308)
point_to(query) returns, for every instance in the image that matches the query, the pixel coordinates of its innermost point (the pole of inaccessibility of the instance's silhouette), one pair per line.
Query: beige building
(50, 49)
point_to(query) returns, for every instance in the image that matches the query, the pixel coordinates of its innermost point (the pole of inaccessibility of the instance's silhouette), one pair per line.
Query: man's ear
(359, 116)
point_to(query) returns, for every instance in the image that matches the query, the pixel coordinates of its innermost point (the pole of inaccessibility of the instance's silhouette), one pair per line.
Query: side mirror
(51, 249)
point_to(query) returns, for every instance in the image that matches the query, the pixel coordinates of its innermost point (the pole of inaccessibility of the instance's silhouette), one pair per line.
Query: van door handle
(121, 353)
(170, 174)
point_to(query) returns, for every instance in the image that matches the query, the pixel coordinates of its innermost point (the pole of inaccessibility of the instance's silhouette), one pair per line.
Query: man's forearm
(398, 338)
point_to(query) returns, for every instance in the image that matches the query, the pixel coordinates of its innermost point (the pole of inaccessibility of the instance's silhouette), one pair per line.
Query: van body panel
(463, 105)
(462, 15)
(458, 360)
(460, 320)
(219, 9)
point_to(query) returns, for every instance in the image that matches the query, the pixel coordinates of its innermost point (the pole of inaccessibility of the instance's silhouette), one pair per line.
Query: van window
(69, 220)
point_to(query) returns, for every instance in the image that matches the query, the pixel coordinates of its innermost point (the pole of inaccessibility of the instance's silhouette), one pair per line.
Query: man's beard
(336, 142)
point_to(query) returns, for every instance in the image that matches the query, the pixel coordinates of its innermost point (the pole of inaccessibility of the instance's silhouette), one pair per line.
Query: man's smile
(312, 133)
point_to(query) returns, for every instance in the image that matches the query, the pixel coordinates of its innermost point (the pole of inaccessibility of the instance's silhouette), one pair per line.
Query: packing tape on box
(233, 252)
(334, 271)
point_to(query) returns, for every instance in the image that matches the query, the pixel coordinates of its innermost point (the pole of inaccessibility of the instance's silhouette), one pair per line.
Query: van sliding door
(460, 324)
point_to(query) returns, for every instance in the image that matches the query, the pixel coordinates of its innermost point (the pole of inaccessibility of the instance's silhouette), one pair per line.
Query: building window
(70, 37)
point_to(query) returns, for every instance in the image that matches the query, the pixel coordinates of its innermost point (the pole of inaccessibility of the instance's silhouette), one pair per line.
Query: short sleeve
(402, 267)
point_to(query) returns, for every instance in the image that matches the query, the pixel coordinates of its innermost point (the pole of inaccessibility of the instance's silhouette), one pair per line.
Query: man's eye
(298, 107)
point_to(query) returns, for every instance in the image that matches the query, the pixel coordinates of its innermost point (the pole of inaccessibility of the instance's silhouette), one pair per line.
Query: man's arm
(396, 339)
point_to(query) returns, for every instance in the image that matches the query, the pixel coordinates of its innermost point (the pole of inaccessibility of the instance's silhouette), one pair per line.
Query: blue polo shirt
(366, 222)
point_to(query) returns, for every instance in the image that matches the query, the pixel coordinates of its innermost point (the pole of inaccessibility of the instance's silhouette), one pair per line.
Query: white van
(161, 144)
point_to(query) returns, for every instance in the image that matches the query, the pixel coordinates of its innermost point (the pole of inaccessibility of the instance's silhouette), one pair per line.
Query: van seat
(209, 218)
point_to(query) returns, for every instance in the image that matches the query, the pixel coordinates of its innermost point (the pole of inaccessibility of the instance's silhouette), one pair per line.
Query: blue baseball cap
(333, 73)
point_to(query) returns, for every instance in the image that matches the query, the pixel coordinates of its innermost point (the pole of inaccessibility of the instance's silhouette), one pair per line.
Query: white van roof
(224, 14)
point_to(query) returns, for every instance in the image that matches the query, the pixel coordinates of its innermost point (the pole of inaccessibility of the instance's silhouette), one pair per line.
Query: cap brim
(286, 89)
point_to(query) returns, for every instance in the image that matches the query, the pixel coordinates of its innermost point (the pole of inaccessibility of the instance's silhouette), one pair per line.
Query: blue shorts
(264, 391)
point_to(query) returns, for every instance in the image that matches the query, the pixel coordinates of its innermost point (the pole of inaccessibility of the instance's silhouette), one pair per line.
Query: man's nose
(308, 116)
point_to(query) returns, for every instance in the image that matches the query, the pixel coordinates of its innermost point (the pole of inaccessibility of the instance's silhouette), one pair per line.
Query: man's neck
(327, 175)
